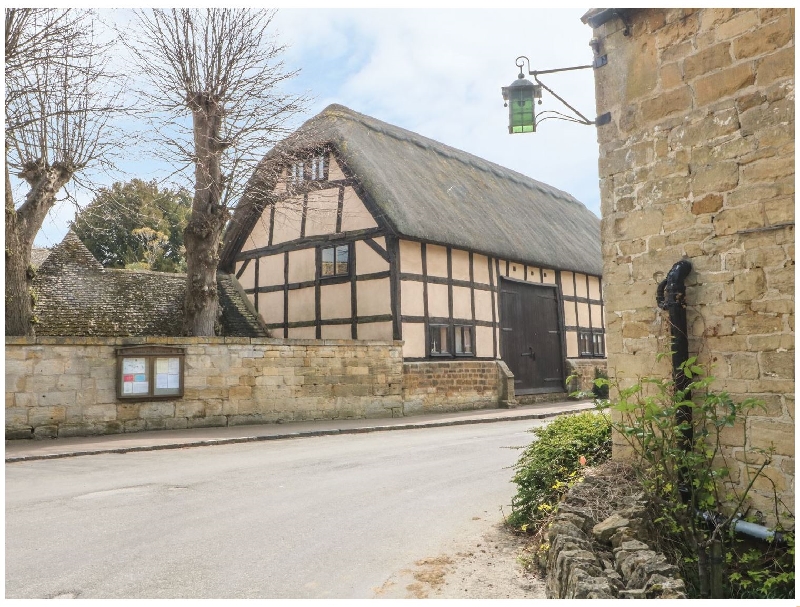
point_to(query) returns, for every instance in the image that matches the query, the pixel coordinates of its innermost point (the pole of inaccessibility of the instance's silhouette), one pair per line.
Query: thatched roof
(77, 296)
(424, 190)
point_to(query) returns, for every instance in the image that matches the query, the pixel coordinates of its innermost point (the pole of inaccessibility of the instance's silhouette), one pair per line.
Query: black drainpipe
(671, 296)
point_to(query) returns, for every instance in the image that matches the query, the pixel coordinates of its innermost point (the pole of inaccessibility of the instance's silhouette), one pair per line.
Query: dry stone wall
(698, 163)
(611, 558)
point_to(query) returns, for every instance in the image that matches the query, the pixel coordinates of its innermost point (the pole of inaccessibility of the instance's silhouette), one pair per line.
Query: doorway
(530, 336)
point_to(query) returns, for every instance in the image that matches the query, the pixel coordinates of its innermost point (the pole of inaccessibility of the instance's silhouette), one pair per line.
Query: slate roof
(426, 190)
(77, 296)
(38, 255)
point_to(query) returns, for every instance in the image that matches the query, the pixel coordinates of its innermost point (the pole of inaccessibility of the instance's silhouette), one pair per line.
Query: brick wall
(65, 386)
(698, 163)
(436, 386)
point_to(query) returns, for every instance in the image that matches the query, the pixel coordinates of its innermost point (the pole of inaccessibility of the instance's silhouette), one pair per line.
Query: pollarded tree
(214, 77)
(58, 105)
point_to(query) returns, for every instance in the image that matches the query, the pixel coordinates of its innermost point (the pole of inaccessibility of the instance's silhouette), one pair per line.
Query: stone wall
(698, 163)
(605, 559)
(437, 386)
(66, 386)
(584, 370)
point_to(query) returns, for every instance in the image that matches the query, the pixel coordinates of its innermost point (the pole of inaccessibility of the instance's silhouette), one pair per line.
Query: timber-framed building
(353, 228)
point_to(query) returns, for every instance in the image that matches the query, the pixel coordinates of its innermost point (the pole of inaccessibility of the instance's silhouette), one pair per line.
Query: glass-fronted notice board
(147, 372)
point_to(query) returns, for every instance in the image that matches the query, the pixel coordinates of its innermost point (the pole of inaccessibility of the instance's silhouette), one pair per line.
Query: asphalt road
(327, 517)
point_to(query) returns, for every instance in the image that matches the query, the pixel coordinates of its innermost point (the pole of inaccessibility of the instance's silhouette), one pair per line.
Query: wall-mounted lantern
(520, 97)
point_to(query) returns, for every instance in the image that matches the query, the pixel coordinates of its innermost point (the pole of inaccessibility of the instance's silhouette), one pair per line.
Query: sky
(437, 72)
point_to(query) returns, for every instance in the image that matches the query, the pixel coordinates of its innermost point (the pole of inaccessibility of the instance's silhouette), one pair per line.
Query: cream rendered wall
(374, 297)
(259, 237)
(567, 286)
(583, 314)
(483, 342)
(355, 215)
(270, 307)
(580, 285)
(302, 333)
(302, 265)
(414, 338)
(462, 303)
(321, 211)
(288, 216)
(270, 270)
(411, 298)
(594, 287)
(336, 332)
(548, 277)
(480, 269)
(483, 306)
(375, 330)
(247, 279)
(301, 305)
(534, 274)
(597, 316)
(570, 316)
(437, 300)
(572, 344)
(460, 264)
(335, 301)
(410, 257)
(436, 260)
(367, 260)
(334, 170)
(516, 270)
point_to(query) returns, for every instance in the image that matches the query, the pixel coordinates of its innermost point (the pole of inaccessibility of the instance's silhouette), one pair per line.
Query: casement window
(463, 340)
(591, 344)
(335, 261)
(317, 168)
(440, 343)
(149, 372)
(311, 170)
(451, 340)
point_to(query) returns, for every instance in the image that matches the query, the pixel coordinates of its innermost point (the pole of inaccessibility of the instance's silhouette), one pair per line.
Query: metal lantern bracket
(598, 62)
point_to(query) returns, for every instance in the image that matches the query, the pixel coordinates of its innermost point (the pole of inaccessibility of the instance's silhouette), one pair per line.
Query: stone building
(697, 163)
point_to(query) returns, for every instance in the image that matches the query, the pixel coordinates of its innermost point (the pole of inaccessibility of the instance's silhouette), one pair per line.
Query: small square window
(335, 261)
(439, 341)
(463, 340)
(591, 343)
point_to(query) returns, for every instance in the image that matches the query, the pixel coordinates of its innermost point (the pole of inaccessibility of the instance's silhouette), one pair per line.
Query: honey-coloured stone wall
(698, 163)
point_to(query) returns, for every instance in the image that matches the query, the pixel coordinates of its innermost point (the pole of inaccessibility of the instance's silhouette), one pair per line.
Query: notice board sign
(149, 372)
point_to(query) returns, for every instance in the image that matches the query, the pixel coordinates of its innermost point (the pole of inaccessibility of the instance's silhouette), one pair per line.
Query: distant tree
(59, 100)
(221, 69)
(136, 225)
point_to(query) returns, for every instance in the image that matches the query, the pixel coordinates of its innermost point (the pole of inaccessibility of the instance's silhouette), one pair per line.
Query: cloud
(438, 72)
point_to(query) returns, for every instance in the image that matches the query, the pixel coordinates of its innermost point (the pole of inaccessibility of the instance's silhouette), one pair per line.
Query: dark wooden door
(530, 340)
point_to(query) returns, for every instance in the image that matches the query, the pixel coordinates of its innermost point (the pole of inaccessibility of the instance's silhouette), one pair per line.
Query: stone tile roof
(77, 296)
(38, 255)
(425, 190)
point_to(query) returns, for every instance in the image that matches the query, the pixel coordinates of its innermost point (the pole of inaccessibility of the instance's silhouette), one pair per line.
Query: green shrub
(550, 464)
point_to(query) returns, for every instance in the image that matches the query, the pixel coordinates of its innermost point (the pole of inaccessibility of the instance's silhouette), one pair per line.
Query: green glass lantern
(519, 98)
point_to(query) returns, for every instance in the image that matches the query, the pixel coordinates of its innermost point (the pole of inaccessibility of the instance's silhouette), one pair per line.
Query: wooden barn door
(530, 340)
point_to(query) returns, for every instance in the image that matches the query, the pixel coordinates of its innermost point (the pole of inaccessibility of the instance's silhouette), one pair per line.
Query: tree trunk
(22, 225)
(204, 229)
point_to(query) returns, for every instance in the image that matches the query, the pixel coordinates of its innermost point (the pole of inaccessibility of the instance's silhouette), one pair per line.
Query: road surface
(408, 513)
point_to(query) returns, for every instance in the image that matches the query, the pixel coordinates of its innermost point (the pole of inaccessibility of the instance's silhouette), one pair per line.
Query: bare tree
(58, 105)
(221, 69)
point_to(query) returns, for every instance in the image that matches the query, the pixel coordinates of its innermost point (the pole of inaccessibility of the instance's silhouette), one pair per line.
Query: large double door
(530, 336)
